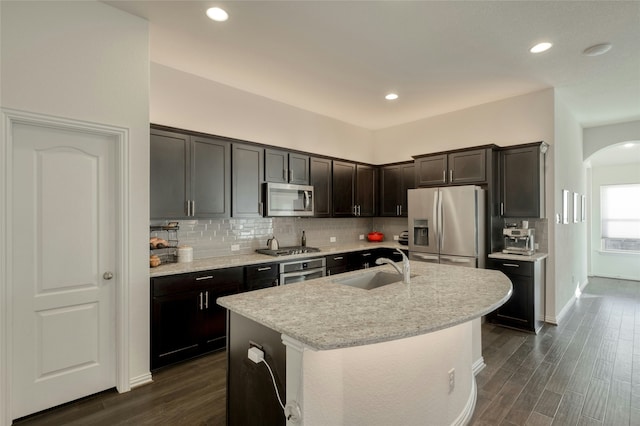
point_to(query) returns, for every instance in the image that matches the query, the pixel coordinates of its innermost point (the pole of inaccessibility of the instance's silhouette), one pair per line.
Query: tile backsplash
(217, 237)
(223, 237)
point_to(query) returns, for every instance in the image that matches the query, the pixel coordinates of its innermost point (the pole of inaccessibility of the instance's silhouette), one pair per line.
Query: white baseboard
(555, 320)
(141, 380)
(478, 366)
(467, 412)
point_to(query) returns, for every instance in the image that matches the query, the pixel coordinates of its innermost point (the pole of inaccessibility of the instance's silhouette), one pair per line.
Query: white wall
(597, 138)
(400, 382)
(569, 262)
(88, 61)
(613, 265)
(186, 101)
(512, 121)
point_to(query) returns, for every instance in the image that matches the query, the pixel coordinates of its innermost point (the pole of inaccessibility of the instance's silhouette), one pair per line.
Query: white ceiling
(340, 58)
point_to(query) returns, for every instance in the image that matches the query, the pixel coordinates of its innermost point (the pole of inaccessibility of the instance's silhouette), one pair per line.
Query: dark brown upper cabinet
(190, 176)
(395, 180)
(320, 177)
(344, 188)
(286, 167)
(522, 188)
(453, 168)
(354, 189)
(366, 190)
(247, 179)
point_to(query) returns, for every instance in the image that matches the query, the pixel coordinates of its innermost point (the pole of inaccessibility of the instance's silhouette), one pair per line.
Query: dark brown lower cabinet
(525, 309)
(185, 319)
(251, 396)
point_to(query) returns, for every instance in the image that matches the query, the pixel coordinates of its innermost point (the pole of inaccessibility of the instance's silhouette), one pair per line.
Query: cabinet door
(431, 170)
(518, 310)
(344, 177)
(276, 166)
(210, 177)
(169, 166)
(320, 179)
(521, 182)
(390, 190)
(366, 177)
(467, 167)
(175, 328)
(363, 259)
(298, 169)
(248, 172)
(213, 324)
(408, 182)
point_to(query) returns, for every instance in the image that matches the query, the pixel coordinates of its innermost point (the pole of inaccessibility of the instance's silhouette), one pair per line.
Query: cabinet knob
(107, 275)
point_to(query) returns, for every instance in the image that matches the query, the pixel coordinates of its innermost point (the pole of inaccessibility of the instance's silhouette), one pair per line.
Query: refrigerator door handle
(436, 218)
(441, 220)
(424, 256)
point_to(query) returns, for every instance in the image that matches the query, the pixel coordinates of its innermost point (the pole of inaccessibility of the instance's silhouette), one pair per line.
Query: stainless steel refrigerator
(447, 225)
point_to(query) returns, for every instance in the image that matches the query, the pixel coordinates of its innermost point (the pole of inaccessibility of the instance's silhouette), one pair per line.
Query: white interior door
(63, 240)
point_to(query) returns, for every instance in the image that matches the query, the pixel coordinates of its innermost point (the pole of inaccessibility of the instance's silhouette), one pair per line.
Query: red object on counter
(375, 236)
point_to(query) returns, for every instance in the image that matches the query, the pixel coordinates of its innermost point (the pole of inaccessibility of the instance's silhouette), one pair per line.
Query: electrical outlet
(235, 247)
(332, 239)
(396, 237)
(536, 246)
(452, 379)
(361, 237)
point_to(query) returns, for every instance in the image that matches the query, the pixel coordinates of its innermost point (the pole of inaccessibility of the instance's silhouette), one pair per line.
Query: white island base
(399, 382)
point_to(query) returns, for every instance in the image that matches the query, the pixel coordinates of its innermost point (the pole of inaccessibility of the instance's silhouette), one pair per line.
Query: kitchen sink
(371, 280)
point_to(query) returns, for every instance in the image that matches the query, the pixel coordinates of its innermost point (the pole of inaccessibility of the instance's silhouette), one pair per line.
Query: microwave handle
(306, 200)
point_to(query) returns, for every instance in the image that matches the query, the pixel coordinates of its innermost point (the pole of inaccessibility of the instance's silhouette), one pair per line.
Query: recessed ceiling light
(217, 14)
(391, 96)
(541, 47)
(628, 145)
(597, 49)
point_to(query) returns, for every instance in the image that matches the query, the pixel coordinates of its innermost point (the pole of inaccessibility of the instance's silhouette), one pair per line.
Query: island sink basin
(371, 280)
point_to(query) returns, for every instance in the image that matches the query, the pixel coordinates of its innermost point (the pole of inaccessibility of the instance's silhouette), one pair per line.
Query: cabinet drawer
(512, 267)
(260, 276)
(174, 284)
(265, 270)
(341, 259)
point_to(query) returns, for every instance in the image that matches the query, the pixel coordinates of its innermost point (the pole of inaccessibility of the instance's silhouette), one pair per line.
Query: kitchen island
(397, 354)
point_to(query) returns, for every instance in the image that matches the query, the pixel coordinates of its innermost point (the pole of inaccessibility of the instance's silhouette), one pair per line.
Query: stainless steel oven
(296, 271)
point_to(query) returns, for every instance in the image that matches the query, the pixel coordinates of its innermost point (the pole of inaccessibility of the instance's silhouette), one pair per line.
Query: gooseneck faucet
(406, 267)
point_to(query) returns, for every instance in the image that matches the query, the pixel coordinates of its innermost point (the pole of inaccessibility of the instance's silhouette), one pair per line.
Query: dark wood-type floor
(584, 372)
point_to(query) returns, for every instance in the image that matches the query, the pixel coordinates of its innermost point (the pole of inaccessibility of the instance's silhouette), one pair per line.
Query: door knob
(107, 275)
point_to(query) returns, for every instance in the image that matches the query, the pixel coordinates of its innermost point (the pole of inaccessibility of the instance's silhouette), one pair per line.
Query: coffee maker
(519, 241)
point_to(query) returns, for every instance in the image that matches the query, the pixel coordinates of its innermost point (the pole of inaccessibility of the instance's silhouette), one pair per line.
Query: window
(620, 216)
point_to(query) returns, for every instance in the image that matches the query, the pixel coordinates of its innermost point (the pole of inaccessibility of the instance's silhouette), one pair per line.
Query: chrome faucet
(406, 267)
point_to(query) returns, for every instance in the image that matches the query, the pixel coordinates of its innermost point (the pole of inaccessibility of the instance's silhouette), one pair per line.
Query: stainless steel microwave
(282, 199)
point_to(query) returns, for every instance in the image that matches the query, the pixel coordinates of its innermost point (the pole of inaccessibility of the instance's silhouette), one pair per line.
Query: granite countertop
(326, 315)
(256, 258)
(533, 258)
